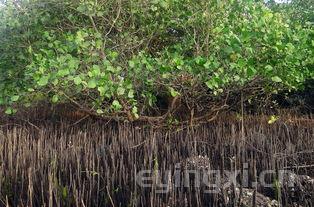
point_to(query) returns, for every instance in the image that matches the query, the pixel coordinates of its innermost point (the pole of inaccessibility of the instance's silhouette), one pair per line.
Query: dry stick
(110, 197)
(149, 119)
(279, 196)
(83, 203)
(13, 124)
(233, 185)
(103, 56)
(242, 114)
(301, 166)
(164, 116)
(128, 112)
(198, 119)
(241, 144)
(7, 201)
(191, 117)
(254, 198)
(133, 147)
(2, 201)
(115, 20)
(17, 5)
(33, 125)
(217, 110)
(80, 120)
(255, 181)
(90, 112)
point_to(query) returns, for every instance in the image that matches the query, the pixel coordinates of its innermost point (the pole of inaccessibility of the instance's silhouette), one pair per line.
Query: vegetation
(94, 164)
(162, 63)
(122, 58)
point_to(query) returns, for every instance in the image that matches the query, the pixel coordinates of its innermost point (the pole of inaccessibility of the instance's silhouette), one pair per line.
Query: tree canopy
(118, 57)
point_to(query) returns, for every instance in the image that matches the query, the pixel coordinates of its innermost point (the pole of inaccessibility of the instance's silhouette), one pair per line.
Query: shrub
(116, 57)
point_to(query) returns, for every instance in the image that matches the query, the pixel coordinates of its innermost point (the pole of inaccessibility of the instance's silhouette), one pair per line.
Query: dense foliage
(120, 57)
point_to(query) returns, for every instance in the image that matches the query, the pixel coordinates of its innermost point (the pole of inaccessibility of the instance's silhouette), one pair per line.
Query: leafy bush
(117, 57)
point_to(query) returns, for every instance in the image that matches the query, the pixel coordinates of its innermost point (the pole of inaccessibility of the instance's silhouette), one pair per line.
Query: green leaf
(55, 99)
(113, 55)
(131, 94)
(43, 81)
(212, 83)
(207, 64)
(273, 119)
(102, 91)
(268, 68)
(15, 98)
(173, 92)
(27, 105)
(96, 70)
(92, 84)
(77, 80)
(63, 72)
(120, 91)
(64, 192)
(228, 50)
(116, 105)
(10, 111)
(251, 71)
(73, 63)
(276, 79)
(55, 82)
(209, 84)
(99, 111)
(135, 112)
(30, 50)
(131, 64)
